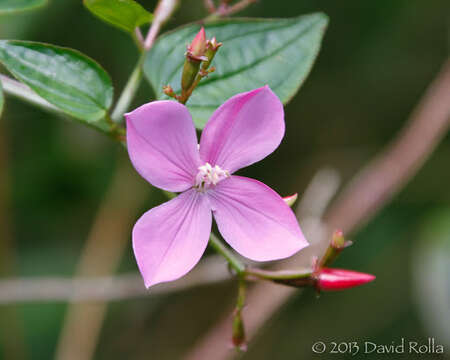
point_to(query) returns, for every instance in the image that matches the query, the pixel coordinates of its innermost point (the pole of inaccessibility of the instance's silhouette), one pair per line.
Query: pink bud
(198, 45)
(213, 44)
(339, 279)
(290, 200)
(338, 240)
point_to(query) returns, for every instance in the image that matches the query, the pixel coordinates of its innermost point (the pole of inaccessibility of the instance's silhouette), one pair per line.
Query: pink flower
(170, 239)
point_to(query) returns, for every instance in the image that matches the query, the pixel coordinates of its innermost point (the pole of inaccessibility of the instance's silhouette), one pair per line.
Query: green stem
(211, 17)
(240, 303)
(234, 262)
(128, 92)
(278, 275)
(138, 39)
(238, 337)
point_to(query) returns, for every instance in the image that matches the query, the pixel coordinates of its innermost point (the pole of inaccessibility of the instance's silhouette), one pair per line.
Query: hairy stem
(387, 173)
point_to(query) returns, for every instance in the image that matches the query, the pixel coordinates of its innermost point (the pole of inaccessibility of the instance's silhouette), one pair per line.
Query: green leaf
(255, 52)
(124, 14)
(12, 6)
(64, 77)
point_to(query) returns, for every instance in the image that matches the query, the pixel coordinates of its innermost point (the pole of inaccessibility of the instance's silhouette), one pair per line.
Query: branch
(106, 288)
(100, 256)
(163, 11)
(233, 9)
(365, 195)
(12, 340)
(224, 9)
(385, 175)
(209, 5)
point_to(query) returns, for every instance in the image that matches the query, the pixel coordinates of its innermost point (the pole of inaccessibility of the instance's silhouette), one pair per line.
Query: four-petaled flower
(170, 239)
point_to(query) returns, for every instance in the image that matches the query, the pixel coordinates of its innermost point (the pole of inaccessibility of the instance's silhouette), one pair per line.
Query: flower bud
(339, 279)
(169, 91)
(197, 48)
(238, 338)
(212, 46)
(194, 56)
(337, 244)
(338, 241)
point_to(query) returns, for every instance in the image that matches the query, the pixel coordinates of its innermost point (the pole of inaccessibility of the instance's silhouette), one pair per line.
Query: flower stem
(138, 39)
(277, 275)
(234, 262)
(238, 338)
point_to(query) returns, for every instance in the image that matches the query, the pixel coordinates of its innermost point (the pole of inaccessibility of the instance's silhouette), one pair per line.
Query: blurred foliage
(376, 60)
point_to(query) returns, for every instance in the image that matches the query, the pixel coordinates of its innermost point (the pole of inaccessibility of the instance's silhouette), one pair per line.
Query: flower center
(208, 176)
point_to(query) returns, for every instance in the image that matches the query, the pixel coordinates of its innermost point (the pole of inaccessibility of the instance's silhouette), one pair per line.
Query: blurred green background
(376, 61)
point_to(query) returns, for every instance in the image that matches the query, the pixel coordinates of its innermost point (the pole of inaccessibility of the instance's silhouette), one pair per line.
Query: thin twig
(12, 339)
(385, 175)
(164, 10)
(209, 5)
(128, 92)
(226, 10)
(241, 5)
(403, 157)
(106, 288)
(101, 255)
(138, 38)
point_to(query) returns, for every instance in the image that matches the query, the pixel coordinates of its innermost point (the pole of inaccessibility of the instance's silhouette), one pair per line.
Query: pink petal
(255, 220)
(162, 144)
(244, 130)
(170, 239)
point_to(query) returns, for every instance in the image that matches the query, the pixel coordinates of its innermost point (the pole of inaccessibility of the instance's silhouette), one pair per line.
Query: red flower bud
(197, 48)
(339, 279)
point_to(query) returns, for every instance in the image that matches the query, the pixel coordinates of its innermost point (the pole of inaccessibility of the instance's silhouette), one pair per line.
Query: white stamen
(208, 176)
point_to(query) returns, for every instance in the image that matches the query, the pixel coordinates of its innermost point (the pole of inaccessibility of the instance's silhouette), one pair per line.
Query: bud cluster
(199, 55)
